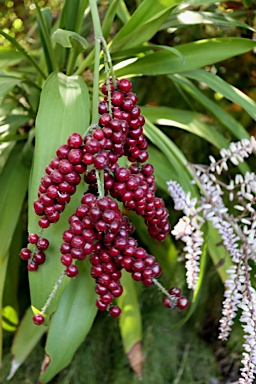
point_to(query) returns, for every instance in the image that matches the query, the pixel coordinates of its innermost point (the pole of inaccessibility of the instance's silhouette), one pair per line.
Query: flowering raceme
(236, 225)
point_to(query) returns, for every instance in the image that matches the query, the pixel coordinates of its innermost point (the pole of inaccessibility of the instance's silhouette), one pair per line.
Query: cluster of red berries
(98, 228)
(175, 300)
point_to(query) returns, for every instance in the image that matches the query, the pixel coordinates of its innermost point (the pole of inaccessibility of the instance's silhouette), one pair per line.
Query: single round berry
(33, 238)
(71, 270)
(115, 311)
(75, 140)
(38, 319)
(175, 291)
(32, 267)
(39, 257)
(182, 302)
(25, 254)
(42, 244)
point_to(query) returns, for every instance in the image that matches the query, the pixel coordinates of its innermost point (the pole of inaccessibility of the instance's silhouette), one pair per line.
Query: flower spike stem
(53, 293)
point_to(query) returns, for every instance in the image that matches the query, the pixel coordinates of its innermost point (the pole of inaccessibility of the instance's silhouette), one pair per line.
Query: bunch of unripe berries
(98, 228)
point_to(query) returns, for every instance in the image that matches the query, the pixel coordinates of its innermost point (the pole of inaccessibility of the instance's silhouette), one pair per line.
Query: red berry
(38, 319)
(25, 253)
(42, 244)
(75, 140)
(175, 291)
(182, 302)
(32, 267)
(71, 270)
(39, 257)
(115, 311)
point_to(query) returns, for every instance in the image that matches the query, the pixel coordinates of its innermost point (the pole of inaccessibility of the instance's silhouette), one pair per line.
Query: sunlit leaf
(228, 91)
(64, 109)
(199, 17)
(192, 122)
(143, 23)
(197, 54)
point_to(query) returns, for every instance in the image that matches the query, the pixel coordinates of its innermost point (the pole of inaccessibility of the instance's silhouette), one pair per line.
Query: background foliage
(193, 69)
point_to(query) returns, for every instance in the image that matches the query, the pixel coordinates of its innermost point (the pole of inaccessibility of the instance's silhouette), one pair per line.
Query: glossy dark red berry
(38, 319)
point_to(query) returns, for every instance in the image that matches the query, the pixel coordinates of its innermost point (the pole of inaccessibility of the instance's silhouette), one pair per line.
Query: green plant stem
(108, 62)
(47, 39)
(53, 293)
(95, 99)
(23, 52)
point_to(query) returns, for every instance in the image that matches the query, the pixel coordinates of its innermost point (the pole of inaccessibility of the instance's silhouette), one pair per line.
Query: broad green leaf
(14, 177)
(143, 24)
(197, 54)
(69, 39)
(228, 91)
(64, 108)
(198, 17)
(9, 57)
(7, 83)
(226, 119)
(192, 122)
(26, 338)
(71, 322)
(130, 319)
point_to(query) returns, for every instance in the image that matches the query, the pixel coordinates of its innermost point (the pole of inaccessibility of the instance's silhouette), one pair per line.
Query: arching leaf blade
(64, 108)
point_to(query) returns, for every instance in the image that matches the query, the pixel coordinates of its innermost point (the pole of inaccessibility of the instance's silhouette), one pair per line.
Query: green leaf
(198, 17)
(26, 338)
(175, 157)
(143, 24)
(7, 83)
(64, 108)
(226, 119)
(130, 319)
(69, 39)
(228, 91)
(192, 122)
(122, 12)
(4, 260)
(71, 322)
(9, 57)
(109, 18)
(197, 54)
(14, 177)
(11, 122)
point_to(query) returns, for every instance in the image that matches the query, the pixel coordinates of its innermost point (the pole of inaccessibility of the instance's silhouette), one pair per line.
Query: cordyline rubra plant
(95, 159)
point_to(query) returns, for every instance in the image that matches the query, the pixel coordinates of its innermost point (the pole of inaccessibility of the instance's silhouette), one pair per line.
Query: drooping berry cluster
(37, 256)
(99, 228)
(175, 300)
(60, 181)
